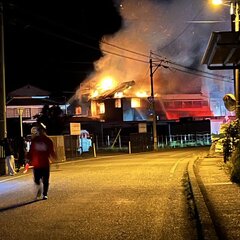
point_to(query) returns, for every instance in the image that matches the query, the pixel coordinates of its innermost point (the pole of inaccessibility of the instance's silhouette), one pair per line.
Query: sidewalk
(222, 197)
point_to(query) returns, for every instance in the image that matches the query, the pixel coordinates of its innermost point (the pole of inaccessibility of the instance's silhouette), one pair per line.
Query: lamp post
(20, 112)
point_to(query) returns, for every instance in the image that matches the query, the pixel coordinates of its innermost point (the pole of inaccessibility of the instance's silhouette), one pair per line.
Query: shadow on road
(17, 205)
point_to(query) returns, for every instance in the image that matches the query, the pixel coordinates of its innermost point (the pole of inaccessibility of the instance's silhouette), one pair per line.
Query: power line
(201, 75)
(124, 56)
(127, 50)
(131, 58)
(190, 68)
(162, 59)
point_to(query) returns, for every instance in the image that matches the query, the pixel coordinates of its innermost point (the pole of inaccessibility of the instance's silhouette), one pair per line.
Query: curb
(203, 216)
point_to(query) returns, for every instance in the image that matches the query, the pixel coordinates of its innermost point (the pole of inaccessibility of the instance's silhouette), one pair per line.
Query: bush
(231, 150)
(235, 171)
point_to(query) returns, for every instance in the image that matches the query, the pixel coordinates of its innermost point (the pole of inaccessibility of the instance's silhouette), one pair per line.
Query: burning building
(120, 87)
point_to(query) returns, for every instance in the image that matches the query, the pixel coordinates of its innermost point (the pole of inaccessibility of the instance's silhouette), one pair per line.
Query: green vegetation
(231, 150)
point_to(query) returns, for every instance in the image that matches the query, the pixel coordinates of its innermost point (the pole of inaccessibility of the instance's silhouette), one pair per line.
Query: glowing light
(135, 102)
(141, 94)
(95, 94)
(118, 95)
(118, 103)
(107, 83)
(101, 108)
(217, 2)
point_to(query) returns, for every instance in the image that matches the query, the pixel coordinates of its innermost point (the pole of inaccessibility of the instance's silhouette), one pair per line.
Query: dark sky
(52, 44)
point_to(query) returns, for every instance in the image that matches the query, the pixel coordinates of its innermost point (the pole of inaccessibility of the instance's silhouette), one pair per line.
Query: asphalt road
(137, 196)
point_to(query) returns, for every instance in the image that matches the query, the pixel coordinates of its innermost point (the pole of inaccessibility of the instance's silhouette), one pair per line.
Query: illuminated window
(27, 112)
(94, 108)
(78, 110)
(10, 113)
(135, 102)
(101, 108)
(118, 103)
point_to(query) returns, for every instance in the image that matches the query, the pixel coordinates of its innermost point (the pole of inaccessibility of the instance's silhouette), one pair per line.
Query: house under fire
(114, 105)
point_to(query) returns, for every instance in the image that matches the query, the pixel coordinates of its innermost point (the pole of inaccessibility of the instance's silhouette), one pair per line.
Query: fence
(185, 140)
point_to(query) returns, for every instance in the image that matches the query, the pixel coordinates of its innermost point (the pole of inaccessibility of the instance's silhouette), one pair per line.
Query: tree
(53, 119)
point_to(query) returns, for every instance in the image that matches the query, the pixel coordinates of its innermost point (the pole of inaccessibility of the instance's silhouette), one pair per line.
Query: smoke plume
(171, 30)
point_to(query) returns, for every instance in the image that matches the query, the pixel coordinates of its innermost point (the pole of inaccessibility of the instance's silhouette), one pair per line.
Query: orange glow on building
(135, 103)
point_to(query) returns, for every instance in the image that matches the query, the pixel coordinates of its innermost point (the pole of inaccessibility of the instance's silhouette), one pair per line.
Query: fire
(116, 71)
(217, 2)
(118, 95)
(141, 94)
(135, 103)
(107, 83)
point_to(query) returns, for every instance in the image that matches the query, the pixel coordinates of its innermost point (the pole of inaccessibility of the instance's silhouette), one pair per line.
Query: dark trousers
(42, 174)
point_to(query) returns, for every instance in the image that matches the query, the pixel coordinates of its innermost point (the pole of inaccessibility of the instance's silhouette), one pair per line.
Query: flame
(217, 2)
(135, 102)
(104, 84)
(107, 83)
(141, 94)
(118, 95)
(150, 26)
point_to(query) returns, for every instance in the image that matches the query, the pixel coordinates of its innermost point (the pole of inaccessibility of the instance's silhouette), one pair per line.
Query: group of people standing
(39, 157)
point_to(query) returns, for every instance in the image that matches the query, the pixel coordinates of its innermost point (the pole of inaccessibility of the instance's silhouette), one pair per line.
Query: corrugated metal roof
(223, 51)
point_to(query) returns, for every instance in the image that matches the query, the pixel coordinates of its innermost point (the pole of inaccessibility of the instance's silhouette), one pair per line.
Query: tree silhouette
(53, 119)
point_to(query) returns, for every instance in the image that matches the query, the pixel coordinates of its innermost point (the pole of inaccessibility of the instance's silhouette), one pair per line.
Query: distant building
(26, 102)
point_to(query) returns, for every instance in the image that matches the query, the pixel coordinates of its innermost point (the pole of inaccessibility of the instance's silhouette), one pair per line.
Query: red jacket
(41, 150)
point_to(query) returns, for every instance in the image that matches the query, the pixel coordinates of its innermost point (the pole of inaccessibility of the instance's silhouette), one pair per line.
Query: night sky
(53, 44)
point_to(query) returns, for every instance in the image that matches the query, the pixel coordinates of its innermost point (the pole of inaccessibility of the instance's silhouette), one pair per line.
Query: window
(169, 104)
(118, 103)
(135, 103)
(27, 112)
(78, 110)
(187, 104)
(197, 104)
(101, 108)
(178, 104)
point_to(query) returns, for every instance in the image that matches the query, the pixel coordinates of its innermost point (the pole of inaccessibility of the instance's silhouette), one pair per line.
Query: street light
(234, 12)
(20, 112)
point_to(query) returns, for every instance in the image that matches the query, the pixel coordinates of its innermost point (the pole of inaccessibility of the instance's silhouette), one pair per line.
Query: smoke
(164, 27)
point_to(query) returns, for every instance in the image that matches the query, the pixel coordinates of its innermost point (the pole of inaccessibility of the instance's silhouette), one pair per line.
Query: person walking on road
(40, 156)
(9, 156)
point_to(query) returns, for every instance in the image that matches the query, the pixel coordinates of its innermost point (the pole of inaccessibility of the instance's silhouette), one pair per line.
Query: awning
(223, 51)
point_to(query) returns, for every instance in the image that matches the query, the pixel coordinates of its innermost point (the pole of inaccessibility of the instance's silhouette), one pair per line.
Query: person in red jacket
(41, 154)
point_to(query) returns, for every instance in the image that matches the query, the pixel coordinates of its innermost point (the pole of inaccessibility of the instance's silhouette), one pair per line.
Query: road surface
(132, 196)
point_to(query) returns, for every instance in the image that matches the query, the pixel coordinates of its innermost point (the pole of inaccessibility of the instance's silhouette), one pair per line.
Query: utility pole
(234, 11)
(3, 122)
(155, 147)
